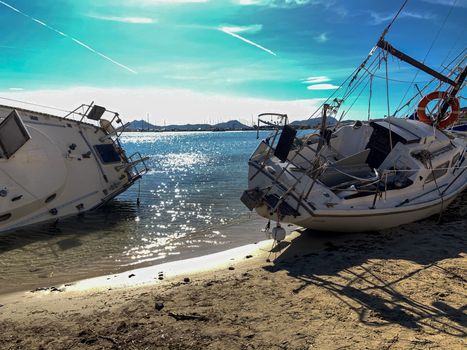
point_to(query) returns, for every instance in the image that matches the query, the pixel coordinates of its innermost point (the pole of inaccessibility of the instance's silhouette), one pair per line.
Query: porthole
(5, 217)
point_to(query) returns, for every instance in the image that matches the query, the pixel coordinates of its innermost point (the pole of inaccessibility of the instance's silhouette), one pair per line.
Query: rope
(407, 170)
(139, 193)
(354, 177)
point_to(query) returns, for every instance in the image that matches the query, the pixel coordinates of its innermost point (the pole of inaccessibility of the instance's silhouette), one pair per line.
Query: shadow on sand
(374, 274)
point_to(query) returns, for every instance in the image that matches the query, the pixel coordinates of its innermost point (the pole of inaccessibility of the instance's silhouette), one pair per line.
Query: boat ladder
(136, 166)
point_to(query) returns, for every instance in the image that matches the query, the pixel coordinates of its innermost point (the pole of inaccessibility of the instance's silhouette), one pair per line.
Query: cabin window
(13, 135)
(107, 153)
(439, 171)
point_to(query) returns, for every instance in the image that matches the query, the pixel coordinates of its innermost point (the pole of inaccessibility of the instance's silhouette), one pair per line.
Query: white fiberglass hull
(368, 220)
(347, 195)
(65, 168)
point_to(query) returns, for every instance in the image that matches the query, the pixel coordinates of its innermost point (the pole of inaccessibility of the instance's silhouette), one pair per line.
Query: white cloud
(331, 5)
(378, 18)
(251, 29)
(456, 3)
(131, 20)
(173, 105)
(274, 3)
(222, 29)
(323, 87)
(322, 38)
(316, 80)
(251, 2)
(164, 2)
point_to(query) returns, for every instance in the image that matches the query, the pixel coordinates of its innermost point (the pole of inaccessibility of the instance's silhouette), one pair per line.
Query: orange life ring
(450, 118)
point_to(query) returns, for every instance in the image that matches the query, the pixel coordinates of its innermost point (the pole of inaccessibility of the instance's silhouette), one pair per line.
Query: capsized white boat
(52, 167)
(365, 175)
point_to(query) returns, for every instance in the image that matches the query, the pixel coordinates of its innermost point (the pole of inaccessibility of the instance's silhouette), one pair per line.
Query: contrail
(69, 37)
(247, 41)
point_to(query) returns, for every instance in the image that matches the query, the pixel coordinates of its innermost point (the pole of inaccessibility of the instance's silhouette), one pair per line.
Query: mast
(459, 82)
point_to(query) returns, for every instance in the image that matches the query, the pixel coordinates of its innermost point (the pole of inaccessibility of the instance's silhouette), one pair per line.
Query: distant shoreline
(211, 130)
(232, 125)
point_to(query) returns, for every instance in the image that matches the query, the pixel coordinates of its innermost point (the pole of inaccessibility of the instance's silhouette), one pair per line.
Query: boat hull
(65, 168)
(364, 221)
(348, 197)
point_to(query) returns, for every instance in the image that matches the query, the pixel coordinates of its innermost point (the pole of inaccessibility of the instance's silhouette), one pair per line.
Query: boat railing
(136, 166)
(94, 114)
(290, 163)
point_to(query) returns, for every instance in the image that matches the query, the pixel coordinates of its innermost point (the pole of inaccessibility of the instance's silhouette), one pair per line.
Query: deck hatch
(13, 135)
(96, 112)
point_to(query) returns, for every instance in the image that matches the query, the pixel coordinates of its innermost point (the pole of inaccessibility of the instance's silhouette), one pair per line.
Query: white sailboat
(53, 167)
(365, 175)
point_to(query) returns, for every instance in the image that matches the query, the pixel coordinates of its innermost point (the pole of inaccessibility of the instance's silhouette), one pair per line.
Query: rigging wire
(353, 103)
(360, 80)
(409, 102)
(373, 65)
(438, 86)
(356, 72)
(369, 98)
(399, 80)
(34, 104)
(386, 30)
(428, 52)
(461, 35)
(387, 101)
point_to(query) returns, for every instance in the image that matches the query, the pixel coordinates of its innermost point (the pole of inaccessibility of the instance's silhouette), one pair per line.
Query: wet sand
(403, 288)
(39, 257)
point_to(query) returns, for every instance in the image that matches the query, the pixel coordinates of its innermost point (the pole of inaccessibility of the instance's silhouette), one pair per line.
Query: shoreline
(318, 291)
(155, 274)
(247, 230)
(401, 288)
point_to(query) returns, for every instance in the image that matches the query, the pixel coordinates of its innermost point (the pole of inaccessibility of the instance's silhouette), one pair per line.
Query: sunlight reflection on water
(190, 193)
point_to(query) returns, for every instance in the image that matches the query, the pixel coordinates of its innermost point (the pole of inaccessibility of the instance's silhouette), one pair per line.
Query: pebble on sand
(159, 306)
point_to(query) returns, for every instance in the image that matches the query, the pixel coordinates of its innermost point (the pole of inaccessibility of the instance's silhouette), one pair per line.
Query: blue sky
(157, 56)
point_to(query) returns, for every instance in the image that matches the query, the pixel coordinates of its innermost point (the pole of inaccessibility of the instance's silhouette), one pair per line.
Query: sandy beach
(403, 288)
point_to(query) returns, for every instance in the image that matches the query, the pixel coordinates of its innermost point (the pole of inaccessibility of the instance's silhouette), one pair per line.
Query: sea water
(188, 200)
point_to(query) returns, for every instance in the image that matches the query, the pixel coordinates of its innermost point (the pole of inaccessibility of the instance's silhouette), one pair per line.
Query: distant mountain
(142, 125)
(187, 127)
(232, 125)
(313, 122)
